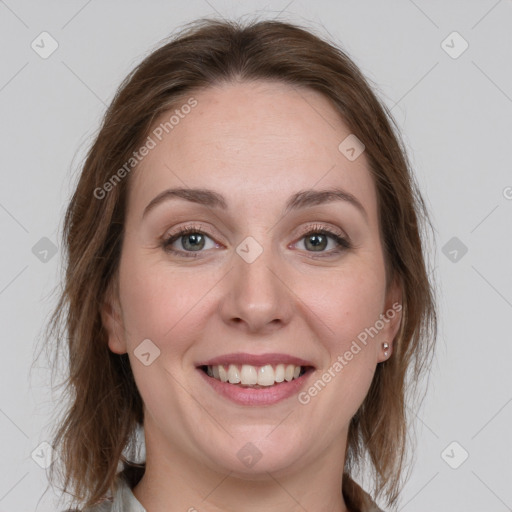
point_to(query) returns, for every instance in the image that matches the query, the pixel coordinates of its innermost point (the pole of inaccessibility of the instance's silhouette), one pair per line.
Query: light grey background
(455, 114)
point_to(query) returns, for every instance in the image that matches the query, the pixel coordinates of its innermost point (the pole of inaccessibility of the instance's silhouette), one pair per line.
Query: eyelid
(302, 231)
(323, 227)
(341, 239)
(196, 228)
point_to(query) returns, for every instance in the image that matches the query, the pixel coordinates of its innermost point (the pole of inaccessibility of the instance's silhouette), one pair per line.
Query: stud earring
(385, 346)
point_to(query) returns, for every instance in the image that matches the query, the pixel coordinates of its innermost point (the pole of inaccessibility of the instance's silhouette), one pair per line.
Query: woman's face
(258, 283)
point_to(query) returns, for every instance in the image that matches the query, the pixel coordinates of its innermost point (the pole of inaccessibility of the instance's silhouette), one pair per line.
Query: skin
(256, 144)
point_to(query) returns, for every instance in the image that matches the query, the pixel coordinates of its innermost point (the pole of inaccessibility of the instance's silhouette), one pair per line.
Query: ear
(112, 319)
(392, 315)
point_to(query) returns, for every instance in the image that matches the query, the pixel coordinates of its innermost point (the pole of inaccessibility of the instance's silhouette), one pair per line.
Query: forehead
(246, 140)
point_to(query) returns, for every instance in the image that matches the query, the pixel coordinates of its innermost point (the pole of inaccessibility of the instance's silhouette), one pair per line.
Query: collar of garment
(125, 501)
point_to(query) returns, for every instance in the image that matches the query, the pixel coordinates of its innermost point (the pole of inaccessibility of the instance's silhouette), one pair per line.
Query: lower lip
(259, 396)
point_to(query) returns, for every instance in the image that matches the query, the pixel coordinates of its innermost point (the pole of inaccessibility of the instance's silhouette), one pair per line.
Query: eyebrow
(299, 200)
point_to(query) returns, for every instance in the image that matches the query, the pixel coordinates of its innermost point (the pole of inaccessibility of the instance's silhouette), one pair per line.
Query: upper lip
(255, 360)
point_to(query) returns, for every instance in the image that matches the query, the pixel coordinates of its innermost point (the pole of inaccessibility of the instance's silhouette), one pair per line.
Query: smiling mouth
(257, 377)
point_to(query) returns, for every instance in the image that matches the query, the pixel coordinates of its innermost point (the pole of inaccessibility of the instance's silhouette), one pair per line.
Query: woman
(245, 282)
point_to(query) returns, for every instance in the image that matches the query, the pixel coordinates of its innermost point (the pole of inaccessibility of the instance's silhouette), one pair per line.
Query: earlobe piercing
(385, 346)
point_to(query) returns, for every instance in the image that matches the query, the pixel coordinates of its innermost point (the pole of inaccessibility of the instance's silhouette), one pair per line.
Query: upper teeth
(251, 375)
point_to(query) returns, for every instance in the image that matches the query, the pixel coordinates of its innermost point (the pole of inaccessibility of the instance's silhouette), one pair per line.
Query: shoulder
(374, 508)
(122, 500)
(371, 506)
(105, 506)
(365, 501)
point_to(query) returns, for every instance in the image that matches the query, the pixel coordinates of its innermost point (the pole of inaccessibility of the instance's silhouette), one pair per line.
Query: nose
(257, 296)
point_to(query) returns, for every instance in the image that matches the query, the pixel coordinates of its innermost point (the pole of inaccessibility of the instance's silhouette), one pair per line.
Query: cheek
(342, 314)
(344, 302)
(159, 301)
(163, 305)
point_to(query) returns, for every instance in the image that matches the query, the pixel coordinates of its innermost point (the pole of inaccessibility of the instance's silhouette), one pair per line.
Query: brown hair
(104, 408)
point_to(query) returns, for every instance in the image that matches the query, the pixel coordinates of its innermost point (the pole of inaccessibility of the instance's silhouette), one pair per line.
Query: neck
(175, 482)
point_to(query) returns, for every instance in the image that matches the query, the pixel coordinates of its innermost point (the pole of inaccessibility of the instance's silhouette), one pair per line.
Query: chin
(250, 460)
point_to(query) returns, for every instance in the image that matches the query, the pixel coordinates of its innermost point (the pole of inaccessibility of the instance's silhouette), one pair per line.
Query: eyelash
(343, 243)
